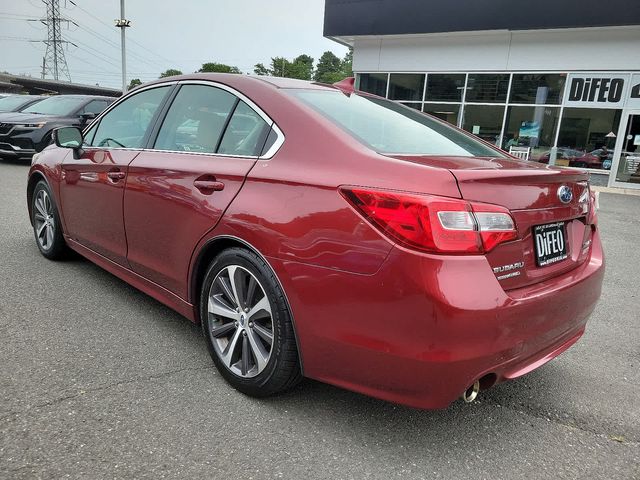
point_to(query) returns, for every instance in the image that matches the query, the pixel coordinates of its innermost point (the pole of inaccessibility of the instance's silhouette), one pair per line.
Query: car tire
(45, 219)
(581, 165)
(247, 324)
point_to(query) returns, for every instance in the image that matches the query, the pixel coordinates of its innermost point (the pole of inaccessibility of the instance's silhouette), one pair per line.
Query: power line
(110, 27)
(113, 44)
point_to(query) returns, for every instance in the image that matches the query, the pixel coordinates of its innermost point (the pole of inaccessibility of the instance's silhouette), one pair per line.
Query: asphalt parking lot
(97, 380)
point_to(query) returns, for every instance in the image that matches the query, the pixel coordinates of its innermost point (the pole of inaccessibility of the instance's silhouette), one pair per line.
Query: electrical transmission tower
(55, 62)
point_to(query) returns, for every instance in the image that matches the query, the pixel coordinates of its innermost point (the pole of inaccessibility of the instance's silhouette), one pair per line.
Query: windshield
(388, 127)
(60, 105)
(13, 103)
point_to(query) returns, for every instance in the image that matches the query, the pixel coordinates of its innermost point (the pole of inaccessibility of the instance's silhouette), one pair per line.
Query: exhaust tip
(471, 393)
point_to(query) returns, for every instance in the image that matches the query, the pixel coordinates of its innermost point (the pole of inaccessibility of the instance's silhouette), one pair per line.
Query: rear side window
(246, 133)
(387, 127)
(126, 124)
(196, 119)
(95, 106)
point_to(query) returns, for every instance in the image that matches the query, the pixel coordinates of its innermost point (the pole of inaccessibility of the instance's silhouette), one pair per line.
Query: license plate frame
(550, 243)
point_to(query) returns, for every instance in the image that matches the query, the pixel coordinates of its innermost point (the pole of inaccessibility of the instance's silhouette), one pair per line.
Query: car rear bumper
(423, 328)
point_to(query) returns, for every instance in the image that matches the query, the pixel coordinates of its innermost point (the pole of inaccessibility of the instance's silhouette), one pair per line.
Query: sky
(180, 34)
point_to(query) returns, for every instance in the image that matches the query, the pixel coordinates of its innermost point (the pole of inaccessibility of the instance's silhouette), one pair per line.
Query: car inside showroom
(562, 89)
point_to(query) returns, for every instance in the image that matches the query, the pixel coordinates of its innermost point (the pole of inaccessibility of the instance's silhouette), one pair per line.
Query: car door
(92, 186)
(177, 190)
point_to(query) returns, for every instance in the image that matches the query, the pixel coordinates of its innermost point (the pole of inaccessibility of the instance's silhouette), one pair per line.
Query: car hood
(18, 117)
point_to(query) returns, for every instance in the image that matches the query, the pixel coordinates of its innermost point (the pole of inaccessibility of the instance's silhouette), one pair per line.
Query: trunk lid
(531, 192)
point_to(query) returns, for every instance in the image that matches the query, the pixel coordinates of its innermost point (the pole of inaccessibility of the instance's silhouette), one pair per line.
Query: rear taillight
(434, 224)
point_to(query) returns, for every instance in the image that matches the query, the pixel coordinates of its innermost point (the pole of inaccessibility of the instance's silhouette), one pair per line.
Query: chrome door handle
(208, 186)
(115, 176)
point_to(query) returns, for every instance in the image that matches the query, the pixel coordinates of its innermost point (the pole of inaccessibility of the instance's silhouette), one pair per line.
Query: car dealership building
(554, 81)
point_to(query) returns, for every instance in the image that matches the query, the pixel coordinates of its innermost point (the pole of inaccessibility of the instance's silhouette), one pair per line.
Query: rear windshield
(391, 128)
(60, 105)
(10, 104)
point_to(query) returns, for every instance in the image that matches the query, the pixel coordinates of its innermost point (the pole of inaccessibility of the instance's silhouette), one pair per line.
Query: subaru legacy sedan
(316, 231)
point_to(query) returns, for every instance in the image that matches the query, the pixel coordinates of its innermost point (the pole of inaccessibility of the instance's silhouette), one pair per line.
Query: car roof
(87, 97)
(238, 80)
(25, 96)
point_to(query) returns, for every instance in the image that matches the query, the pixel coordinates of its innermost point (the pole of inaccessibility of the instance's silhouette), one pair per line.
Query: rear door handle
(116, 175)
(207, 187)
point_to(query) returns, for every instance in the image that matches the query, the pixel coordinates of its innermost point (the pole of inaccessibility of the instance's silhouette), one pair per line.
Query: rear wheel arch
(211, 250)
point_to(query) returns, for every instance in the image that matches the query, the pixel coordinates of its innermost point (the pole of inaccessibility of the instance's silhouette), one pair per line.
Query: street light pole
(123, 23)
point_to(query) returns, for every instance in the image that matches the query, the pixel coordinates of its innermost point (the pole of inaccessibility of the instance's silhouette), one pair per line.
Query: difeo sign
(597, 90)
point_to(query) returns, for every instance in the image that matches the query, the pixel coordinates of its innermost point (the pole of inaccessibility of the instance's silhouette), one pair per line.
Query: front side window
(196, 119)
(386, 127)
(13, 103)
(125, 126)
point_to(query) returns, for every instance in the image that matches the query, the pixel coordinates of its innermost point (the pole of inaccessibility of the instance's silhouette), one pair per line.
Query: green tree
(170, 73)
(260, 69)
(280, 67)
(329, 69)
(347, 64)
(218, 67)
(134, 83)
(301, 67)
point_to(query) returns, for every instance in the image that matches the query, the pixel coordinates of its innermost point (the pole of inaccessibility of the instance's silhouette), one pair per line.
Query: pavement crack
(531, 412)
(103, 388)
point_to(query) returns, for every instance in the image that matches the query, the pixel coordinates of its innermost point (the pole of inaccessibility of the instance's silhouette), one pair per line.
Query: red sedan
(313, 230)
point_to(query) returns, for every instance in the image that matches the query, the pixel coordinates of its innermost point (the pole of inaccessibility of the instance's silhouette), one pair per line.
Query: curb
(619, 191)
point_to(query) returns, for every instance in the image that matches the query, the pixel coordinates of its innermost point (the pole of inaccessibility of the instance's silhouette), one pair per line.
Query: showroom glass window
(375, 83)
(444, 111)
(445, 87)
(406, 86)
(487, 88)
(537, 88)
(126, 124)
(485, 121)
(533, 127)
(629, 165)
(587, 130)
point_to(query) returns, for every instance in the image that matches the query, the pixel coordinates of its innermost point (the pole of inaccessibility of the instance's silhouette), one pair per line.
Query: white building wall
(615, 48)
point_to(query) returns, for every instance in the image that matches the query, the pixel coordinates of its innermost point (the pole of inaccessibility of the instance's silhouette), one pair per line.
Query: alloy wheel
(240, 321)
(44, 219)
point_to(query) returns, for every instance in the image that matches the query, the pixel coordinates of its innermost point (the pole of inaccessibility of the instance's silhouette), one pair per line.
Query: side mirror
(68, 137)
(86, 117)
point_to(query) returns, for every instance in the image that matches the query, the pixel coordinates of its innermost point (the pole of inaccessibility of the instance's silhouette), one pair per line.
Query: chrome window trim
(96, 120)
(209, 154)
(276, 145)
(268, 154)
